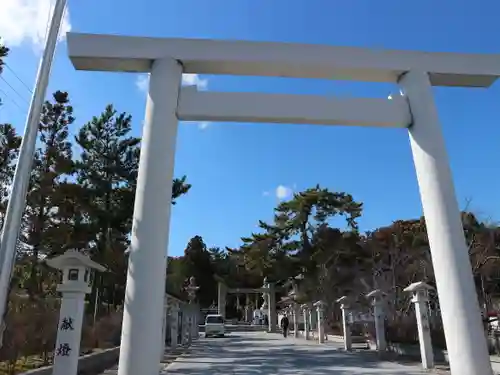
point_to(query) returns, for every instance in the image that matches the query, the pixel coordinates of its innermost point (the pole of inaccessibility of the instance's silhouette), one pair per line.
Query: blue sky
(237, 169)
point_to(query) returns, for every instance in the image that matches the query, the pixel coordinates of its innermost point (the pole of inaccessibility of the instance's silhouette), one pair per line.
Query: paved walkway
(259, 353)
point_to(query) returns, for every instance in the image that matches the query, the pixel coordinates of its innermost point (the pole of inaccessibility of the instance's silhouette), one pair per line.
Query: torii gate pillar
(141, 332)
(467, 348)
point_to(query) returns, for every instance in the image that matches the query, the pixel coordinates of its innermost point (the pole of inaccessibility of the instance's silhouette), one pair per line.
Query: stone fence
(90, 364)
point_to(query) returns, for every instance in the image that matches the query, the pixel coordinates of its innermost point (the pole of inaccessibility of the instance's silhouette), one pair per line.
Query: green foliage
(80, 196)
(332, 262)
(86, 201)
(4, 51)
(197, 262)
(179, 188)
(83, 201)
(52, 165)
(106, 172)
(9, 150)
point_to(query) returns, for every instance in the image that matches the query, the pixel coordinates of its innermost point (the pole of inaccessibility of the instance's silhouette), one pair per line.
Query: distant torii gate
(167, 103)
(268, 289)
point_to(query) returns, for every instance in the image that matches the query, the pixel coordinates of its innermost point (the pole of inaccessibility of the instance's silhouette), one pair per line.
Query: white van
(214, 326)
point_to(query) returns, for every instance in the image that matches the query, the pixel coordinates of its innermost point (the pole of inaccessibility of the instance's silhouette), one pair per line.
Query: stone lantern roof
(74, 258)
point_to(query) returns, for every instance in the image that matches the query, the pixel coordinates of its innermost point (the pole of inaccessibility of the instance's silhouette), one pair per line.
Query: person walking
(284, 325)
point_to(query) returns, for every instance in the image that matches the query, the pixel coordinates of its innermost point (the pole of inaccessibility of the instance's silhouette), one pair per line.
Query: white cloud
(284, 192)
(194, 80)
(265, 193)
(203, 125)
(142, 82)
(26, 21)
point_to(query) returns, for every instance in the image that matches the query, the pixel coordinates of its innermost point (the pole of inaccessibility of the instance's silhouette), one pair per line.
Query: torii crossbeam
(166, 59)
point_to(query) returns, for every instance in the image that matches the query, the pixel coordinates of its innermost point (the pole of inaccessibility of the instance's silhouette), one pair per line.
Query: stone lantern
(377, 298)
(419, 292)
(305, 311)
(191, 290)
(320, 310)
(265, 295)
(295, 296)
(76, 269)
(345, 306)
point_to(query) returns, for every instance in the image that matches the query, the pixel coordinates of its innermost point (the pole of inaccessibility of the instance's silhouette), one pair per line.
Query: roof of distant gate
(230, 57)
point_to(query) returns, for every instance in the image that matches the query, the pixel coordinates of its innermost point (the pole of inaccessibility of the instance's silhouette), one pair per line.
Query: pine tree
(106, 173)
(51, 167)
(4, 51)
(197, 262)
(9, 150)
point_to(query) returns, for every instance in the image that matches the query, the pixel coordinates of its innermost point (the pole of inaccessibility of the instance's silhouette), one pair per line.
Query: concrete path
(260, 353)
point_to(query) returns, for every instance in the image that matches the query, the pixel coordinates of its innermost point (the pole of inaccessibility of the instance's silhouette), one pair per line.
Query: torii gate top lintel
(204, 56)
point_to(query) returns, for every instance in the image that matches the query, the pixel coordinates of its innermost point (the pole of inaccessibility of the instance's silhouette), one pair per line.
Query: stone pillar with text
(76, 270)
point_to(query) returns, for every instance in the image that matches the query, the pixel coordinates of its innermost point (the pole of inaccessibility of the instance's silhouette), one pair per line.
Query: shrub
(107, 331)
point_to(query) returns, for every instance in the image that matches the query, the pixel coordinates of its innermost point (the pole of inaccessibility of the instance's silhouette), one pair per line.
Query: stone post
(256, 302)
(320, 308)
(189, 311)
(196, 321)
(346, 327)
(164, 327)
(248, 309)
(305, 310)
(246, 318)
(221, 299)
(296, 315)
(311, 317)
(419, 291)
(185, 325)
(272, 316)
(376, 297)
(76, 268)
(174, 324)
(191, 290)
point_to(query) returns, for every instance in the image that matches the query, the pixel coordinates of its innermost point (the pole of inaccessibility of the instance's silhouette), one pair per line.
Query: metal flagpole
(19, 187)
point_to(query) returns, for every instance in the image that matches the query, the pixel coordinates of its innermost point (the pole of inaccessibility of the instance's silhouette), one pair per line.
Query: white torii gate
(167, 103)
